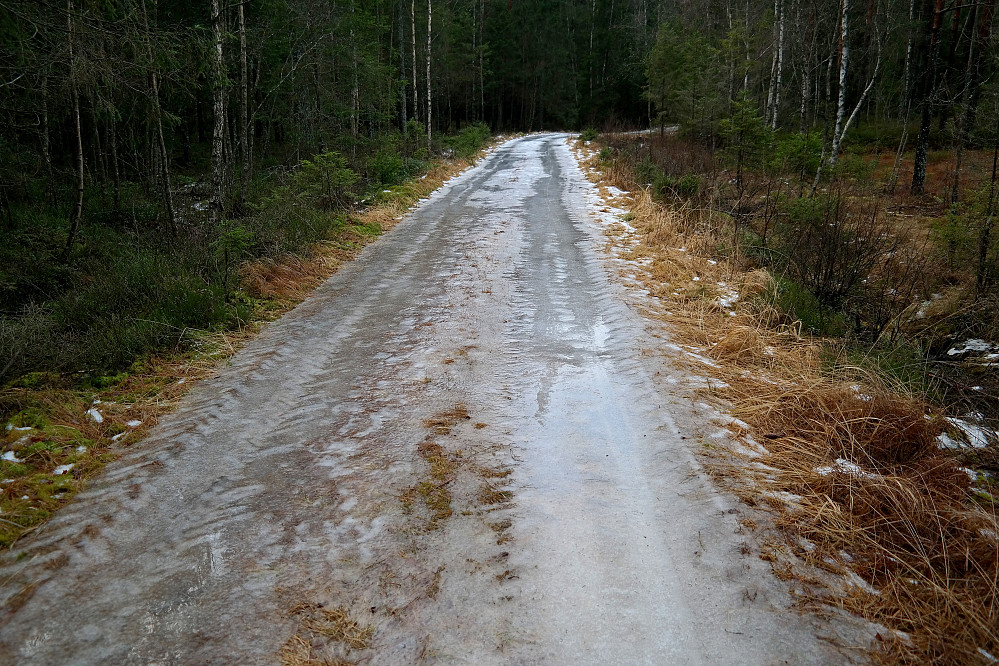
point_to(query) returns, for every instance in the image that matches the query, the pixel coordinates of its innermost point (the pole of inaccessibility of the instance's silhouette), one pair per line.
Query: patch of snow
(977, 436)
(95, 415)
(847, 467)
(972, 344)
(10, 457)
(7, 481)
(615, 192)
(860, 583)
(81, 449)
(62, 469)
(134, 423)
(728, 298)
(11, 426)
(988, 655)
(972, 474)
(704, 360)
(945, 442)
(789, 499)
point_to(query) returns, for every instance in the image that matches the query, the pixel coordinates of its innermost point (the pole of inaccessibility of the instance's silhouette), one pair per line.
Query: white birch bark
(780, 64)
(416, 83)
(430, 100)
(844, 64)
(218, 107)
(244, 111)
(77, 213)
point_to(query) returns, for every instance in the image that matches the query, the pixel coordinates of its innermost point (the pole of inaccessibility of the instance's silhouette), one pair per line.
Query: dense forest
(149, 147)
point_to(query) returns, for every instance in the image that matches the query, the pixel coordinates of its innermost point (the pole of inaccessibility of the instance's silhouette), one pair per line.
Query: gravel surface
(458, 439)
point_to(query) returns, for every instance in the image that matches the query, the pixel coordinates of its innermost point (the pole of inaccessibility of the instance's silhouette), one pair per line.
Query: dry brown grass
(848, 469)
(327, 625)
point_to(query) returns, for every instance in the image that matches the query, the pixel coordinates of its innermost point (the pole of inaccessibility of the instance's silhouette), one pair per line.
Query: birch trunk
(906, 72)
(77, 213)
(416, 86)
(844, 63)
(164, 162)
(217, 202)
(430, 102)
(780, 65)
(244, 109)
(46, 140)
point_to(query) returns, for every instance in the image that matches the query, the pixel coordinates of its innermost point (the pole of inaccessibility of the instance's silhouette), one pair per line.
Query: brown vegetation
(843, 456)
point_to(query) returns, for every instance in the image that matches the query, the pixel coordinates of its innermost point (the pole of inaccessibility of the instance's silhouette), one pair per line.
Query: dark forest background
(147, 147)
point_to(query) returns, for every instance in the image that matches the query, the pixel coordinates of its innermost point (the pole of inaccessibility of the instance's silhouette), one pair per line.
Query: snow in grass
(973, 344)
(115, 438)
(10, 457)
(790, 500)
(615, 192)
(860, 396)
(62, 469)
(847, 467)
(96, 415)
(11, 426)
(977, 436)
(728, 298)
(134, 423)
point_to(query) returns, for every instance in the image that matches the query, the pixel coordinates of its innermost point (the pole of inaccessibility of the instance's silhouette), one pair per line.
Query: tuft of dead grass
(335, 625)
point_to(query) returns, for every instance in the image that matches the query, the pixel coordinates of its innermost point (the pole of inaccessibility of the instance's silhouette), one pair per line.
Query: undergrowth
(89, 371)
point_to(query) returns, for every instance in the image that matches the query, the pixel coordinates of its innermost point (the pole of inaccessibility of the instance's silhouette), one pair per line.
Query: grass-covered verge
(851, 393)
(94, 355)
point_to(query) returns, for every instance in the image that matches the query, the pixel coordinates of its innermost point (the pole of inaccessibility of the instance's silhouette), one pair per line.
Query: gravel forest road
(457, 440)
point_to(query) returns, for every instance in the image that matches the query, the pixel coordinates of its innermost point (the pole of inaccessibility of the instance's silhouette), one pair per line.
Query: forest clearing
(797, 198)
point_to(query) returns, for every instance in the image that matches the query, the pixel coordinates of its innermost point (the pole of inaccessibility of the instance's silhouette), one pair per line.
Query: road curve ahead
(456, 441)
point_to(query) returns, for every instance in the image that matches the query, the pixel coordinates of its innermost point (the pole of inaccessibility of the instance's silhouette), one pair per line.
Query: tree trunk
(973, 77)
(158, 118)
(906, 72)
(430, 101)
(244, 111)
(404, 102)
(217, 203)
(416, 87)
(46, 140)
(844, 63)
(77, 213)
(985, 235)
(923, 139)
(780, 65)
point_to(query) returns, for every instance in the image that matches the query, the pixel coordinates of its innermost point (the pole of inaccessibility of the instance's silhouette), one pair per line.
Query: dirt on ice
(458, 450)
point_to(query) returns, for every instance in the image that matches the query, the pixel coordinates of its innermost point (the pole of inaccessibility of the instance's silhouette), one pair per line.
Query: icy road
(457, 442)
